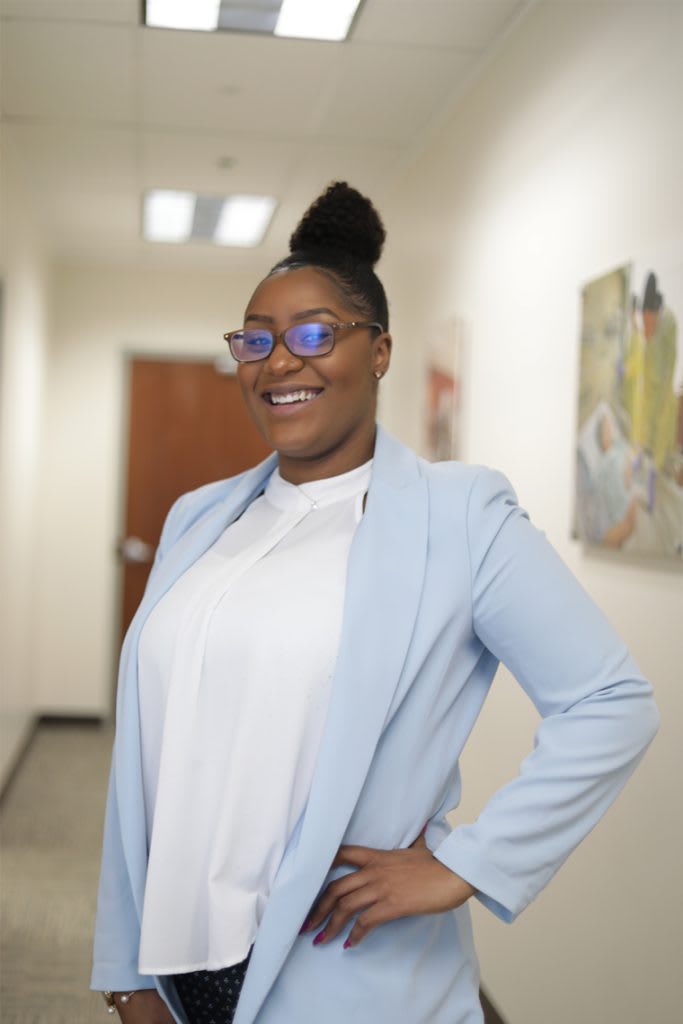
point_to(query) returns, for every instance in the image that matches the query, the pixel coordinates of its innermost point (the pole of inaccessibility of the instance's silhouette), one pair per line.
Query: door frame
(223, 364)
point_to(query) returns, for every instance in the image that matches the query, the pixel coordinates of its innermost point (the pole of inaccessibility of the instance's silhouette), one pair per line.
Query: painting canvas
(629, 492)
(443, 393)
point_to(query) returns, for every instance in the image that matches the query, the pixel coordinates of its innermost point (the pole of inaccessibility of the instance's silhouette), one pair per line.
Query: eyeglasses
(304, 340)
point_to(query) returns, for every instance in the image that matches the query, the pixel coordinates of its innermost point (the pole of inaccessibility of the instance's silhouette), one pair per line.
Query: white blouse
(235, 664)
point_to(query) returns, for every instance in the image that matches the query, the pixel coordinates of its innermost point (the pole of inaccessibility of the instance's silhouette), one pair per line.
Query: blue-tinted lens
(309, 339)
(251, 344)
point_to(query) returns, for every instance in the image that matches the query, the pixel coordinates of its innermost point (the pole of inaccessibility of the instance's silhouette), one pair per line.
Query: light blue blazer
(446, 578)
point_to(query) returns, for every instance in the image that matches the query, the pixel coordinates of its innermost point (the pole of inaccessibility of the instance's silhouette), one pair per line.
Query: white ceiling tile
(117, 11)
(68, 71)
(62, 158)
(102, 220)
(80, 177)
(175, 160)
(230, 82)
(465, 24)
(384, 98)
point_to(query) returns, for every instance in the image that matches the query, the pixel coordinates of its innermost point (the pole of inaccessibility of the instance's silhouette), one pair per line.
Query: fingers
(358, 856)
(340, 898)
(365, 922)
(335, 892)
(389, 884)
(346, 907)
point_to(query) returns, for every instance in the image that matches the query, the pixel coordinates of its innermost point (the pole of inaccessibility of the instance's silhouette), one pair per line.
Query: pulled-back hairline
(333, 277)
(339, 276)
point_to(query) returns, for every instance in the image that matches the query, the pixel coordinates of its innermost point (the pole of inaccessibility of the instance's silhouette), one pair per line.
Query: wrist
(459, 887)
(110, 999)
(463, 890)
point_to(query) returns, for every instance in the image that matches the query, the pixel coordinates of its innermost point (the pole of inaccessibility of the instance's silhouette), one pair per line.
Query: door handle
(134, 551)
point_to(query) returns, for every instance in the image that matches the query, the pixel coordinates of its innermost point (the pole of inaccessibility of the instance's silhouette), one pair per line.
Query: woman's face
(333, 429)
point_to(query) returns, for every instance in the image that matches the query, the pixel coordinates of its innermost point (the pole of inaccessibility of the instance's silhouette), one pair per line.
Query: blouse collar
(319, 493)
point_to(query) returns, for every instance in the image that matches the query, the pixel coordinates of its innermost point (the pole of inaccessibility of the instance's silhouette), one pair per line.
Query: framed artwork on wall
(629, 446)
(443, 393)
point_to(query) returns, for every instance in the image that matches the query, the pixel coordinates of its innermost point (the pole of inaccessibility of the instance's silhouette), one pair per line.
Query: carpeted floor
(51, 817)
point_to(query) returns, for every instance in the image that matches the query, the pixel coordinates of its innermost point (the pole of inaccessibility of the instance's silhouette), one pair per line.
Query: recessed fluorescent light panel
(244, 220)
(304, 19)
(201, 15)
(240, 220)
(168, 216)
(314, 19)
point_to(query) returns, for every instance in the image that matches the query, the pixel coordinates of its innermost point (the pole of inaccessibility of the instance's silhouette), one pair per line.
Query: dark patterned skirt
(210, 997)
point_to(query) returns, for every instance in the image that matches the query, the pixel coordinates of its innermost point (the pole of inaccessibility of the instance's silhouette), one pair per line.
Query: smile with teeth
(290, 397)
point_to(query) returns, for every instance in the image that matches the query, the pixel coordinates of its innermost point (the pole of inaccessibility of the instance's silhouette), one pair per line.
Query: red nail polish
(347, 944)
(304, 926)
(319, 938)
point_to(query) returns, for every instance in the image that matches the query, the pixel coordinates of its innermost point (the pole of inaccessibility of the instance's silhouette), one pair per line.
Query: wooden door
(187, 427)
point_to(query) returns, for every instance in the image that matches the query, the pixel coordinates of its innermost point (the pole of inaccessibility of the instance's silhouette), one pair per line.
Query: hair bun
(343, 221)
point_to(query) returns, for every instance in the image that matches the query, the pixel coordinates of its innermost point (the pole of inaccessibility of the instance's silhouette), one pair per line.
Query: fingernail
(304, 926)
(347, 944)
(319, 938)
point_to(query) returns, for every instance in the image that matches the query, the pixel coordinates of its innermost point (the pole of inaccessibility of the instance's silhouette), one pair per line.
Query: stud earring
(378, 374)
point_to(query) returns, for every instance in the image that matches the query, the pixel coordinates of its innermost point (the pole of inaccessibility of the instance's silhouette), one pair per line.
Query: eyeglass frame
(280, 335)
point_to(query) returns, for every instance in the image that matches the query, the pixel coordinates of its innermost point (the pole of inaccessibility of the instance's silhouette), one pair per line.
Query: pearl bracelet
(109, 999)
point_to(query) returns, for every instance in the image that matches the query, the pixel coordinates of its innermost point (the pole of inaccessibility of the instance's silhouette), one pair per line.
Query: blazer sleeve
(598, 712)
(117, 927)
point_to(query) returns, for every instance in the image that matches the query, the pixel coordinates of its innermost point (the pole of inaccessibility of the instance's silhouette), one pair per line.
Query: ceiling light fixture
(168, 215)
(183, 14)
(244, 220)
(313, 19)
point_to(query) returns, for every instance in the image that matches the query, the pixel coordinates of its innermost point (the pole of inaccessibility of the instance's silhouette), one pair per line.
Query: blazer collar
(384, 585)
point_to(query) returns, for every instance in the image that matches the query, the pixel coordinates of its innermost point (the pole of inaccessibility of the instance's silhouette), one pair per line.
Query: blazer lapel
(127, 755)
(384, 585)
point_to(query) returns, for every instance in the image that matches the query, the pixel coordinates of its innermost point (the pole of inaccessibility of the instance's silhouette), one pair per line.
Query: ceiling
(101, 108)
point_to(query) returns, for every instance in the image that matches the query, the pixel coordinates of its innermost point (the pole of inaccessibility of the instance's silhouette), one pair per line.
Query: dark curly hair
(342, 235)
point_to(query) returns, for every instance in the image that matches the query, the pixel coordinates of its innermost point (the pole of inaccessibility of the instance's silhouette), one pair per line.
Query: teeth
(292, 396)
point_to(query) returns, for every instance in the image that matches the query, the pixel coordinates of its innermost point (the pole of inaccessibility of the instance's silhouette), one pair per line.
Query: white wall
(23, 331)
(563, 161)
(100, 314)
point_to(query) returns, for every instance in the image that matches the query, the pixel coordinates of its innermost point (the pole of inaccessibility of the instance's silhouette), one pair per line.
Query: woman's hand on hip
(386, 885)
(144, 1007)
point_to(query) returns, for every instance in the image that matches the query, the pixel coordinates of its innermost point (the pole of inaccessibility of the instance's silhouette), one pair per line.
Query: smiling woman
(315, 643)
(317, 411)
(308, 368)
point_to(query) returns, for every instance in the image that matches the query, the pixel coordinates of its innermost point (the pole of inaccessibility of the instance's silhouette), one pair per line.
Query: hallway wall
(24, 339)
(564, 160)
(102, 313)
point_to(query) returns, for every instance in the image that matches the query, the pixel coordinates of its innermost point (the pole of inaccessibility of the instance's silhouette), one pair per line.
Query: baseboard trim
(491, 1015)
(57, 721)
(40, 722)
(18, 759)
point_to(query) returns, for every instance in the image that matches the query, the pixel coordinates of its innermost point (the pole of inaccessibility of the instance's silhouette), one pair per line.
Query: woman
(315, 643)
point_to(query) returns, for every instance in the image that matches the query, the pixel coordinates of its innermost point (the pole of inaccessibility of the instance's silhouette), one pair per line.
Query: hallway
(51, 817)
(525, 160)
